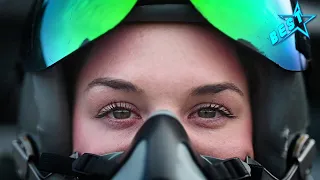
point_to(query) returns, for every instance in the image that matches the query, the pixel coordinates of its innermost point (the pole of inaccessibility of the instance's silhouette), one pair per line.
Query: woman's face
(186, 69)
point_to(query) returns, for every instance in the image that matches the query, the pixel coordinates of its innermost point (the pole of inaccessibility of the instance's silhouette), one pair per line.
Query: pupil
(121, 114)
(207, 113)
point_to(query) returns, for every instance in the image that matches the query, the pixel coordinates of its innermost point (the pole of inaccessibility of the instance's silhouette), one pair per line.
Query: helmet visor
(66, 24)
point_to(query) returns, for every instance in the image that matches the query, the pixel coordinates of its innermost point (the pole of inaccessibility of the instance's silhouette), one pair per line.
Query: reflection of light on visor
(67, 23)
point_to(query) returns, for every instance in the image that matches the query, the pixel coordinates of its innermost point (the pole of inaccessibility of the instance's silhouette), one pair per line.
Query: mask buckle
(304, 151)
(24, 156)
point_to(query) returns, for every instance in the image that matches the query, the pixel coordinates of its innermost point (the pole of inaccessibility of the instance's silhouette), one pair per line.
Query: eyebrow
(216, 88)
(118, 84)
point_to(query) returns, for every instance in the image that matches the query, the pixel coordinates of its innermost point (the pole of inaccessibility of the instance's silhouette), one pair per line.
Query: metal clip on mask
(161, 150)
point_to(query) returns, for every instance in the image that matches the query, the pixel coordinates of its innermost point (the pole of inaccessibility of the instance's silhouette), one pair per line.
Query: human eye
(119, 114)
(210, 115)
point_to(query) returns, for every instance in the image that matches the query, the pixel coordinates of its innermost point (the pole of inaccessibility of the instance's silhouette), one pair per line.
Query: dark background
(12, 18)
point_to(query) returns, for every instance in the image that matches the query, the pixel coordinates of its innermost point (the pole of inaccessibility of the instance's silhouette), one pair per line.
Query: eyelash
(115, 106)
(223, 110)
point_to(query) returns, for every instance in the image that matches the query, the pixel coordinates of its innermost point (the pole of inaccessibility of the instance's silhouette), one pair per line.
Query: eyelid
(117, 105)
(221, 108)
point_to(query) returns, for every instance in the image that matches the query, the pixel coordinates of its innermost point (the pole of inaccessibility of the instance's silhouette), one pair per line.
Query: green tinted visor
(66, 24)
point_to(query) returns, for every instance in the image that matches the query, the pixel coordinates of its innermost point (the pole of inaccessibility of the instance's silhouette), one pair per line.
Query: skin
(167, 64)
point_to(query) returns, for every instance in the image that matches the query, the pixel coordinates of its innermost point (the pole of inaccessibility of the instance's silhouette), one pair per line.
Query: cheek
(93, 136)
(234, 140)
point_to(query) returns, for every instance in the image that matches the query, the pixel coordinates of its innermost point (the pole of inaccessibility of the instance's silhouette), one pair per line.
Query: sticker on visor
(266, 24)
(65, 25)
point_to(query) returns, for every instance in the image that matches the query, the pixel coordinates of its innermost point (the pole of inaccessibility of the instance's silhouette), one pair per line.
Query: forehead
(182, 52)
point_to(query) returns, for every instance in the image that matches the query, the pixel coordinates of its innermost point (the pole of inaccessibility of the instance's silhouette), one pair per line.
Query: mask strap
(304, 151)
(90, 165)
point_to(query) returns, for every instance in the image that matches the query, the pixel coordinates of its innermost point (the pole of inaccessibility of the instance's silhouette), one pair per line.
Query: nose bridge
(163, 112)
(166, 100)
(171, 95)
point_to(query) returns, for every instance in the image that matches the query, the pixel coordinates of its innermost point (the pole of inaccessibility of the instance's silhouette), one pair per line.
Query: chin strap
(90, 166)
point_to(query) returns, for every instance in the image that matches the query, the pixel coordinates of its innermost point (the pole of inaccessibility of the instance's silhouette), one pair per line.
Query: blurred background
(12, 17)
